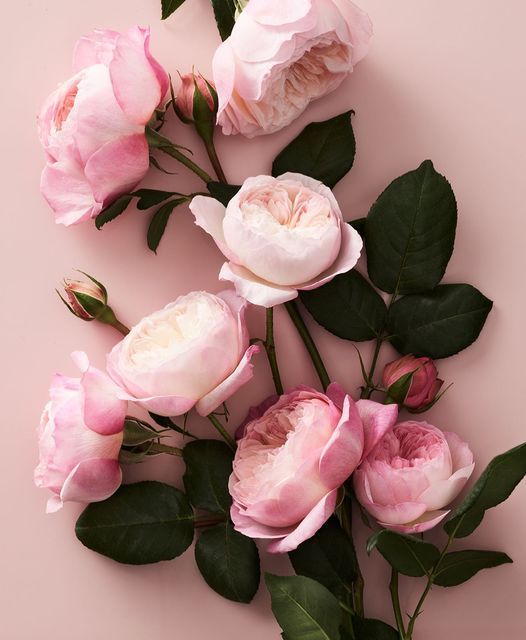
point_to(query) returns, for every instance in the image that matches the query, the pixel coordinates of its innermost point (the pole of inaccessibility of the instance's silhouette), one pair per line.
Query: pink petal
(441, 493)
(254, 289)
(279, 12)
(92, 480)
(224, 71)
(360, 26)
(377, 420)
(104, 412)
(238, 307)
(337, 394)
(209, 214)
(429, 520)
(461, 454)
(95, 48)
(253, 529)
(54, 504)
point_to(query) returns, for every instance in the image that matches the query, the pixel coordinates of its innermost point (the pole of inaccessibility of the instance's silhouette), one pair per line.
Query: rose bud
(196, 99)
(80, 436)
(194, 352)
(413, 473)
(279, 235)
(412, 381)
(293, 458)
(86, 300)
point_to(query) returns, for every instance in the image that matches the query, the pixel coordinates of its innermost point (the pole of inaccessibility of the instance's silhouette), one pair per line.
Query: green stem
(108, 317)
(395, 599)
(222, 431)
(367, 391)
(299, 323)
(358, 584)
(214, 159)
(157, 141)
(270, 348)
(157, 447)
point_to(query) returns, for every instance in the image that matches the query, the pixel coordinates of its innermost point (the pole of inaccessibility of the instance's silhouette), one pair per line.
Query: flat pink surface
(444, 80)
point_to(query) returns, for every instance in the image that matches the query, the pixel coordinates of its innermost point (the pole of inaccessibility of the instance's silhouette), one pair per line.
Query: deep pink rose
(80, 436)
(280, 235)
(194, 352)
(92, 126)
(424, 385)
(281, 55)
(291, 461)
(413, 473)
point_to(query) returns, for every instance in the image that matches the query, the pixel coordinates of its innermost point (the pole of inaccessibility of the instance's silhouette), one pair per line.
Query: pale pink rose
(92, 126)
(80, 436)
(194, 352)
(280, 235)
(425, 383)
(413, 473)
(281, 55)
(291, 461)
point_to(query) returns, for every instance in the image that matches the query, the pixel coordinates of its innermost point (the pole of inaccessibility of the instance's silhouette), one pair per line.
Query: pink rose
(291, 461)
(92, 126)
(194, 352)
(184, 102)
(424, 384)
(281, 55)
(413, 473)
(80, 436)
(280, 235)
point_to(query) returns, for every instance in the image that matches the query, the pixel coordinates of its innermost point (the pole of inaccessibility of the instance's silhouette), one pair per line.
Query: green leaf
(440, 323)
(406, 554)
(304, 609)
(328, 558)
(348, 307)
(323, 150)
(113, 211)
(229, 562)
(223, 192)
(371, 629)
(225, 15)
(459, 566)
(495, 485)
(159, 221)
(169, 6)
(141, 523)
(410, 232)
(150, 197)
(137, 432)
(208, 468)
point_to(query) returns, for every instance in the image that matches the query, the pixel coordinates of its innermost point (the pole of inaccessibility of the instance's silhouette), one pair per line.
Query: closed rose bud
(86, 300)
(412, 381)
(193, 86)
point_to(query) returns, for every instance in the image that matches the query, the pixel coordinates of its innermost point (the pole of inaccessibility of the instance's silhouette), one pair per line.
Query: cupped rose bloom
(413, 473)
(280, 235)
(92, 127)
(424, 384)
(293, 458)
(80, 436)
(281, 55)
(194, 352)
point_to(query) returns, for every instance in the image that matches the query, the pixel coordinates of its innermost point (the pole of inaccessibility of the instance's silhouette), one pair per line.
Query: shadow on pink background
(444, 80)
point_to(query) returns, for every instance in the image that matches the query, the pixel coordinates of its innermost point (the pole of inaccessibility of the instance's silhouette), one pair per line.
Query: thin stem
(299, 323)
(270, 348)
(157, 447)
(157, 141)
(395, 599)
(222, 431)
(108, 317)
(369, 385)
(214, 159)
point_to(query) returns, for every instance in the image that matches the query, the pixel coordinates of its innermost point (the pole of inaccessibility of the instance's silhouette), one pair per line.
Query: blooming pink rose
(194, 352)
(413, 473)
(282, 54)
(80, 436)
(424, 385)
(280, 235)
(291, 461)
(92, 126)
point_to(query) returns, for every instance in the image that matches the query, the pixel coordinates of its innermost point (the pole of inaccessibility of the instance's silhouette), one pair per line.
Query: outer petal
(337, 394)
(443, 492)
(238, 307)
(360, 26)
(224, 72)
(429, 520)
(92, 480)
(254, 289)
(253, 529)
(461, 454)
(209, 215)
(242, 374)
(95, 48)
(377, 420)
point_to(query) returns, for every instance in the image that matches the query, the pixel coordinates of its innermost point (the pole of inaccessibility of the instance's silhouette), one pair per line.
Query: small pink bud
(196, 99)
(421, 384)
(86, 300)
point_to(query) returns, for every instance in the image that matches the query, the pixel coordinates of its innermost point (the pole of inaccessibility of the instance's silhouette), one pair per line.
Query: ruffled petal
(254, 289)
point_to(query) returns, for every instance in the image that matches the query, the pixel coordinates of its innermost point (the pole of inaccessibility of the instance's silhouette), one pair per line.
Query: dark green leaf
(323, 150)
(208, 468)
(150, 197)
(169, 6)
(410, 232)
(159, 221)
(371, 629)
(495, 485)
(459, 566)
(440, 323)
(113, 211)
(304, 609)
(223, 192)
(225, 15)
(229, 562)
(328, 558)
(348, 307)
(406, 554)
(358, 225)
(141, 523)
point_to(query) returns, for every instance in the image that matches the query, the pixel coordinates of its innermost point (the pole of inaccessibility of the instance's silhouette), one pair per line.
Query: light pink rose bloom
(280, 235)
(80, 436)
(425, 383)
(411, 475)
(194, 352)
(92, 126)
(281, 55)
(291, 461)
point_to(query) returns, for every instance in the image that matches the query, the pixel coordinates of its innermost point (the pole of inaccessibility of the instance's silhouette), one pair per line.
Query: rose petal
(377, 420)
(429, 520)
(92, 480)
(254, 289)
(253, 529)
(442, 492)
(209, 214)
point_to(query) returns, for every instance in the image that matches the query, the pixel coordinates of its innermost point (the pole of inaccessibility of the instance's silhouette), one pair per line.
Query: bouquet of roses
(307, 465)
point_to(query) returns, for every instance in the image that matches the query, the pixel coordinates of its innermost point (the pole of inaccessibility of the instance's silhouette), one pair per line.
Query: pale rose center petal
(65, 107)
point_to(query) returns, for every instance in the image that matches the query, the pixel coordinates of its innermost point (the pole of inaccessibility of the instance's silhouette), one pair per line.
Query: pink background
(443, 80)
